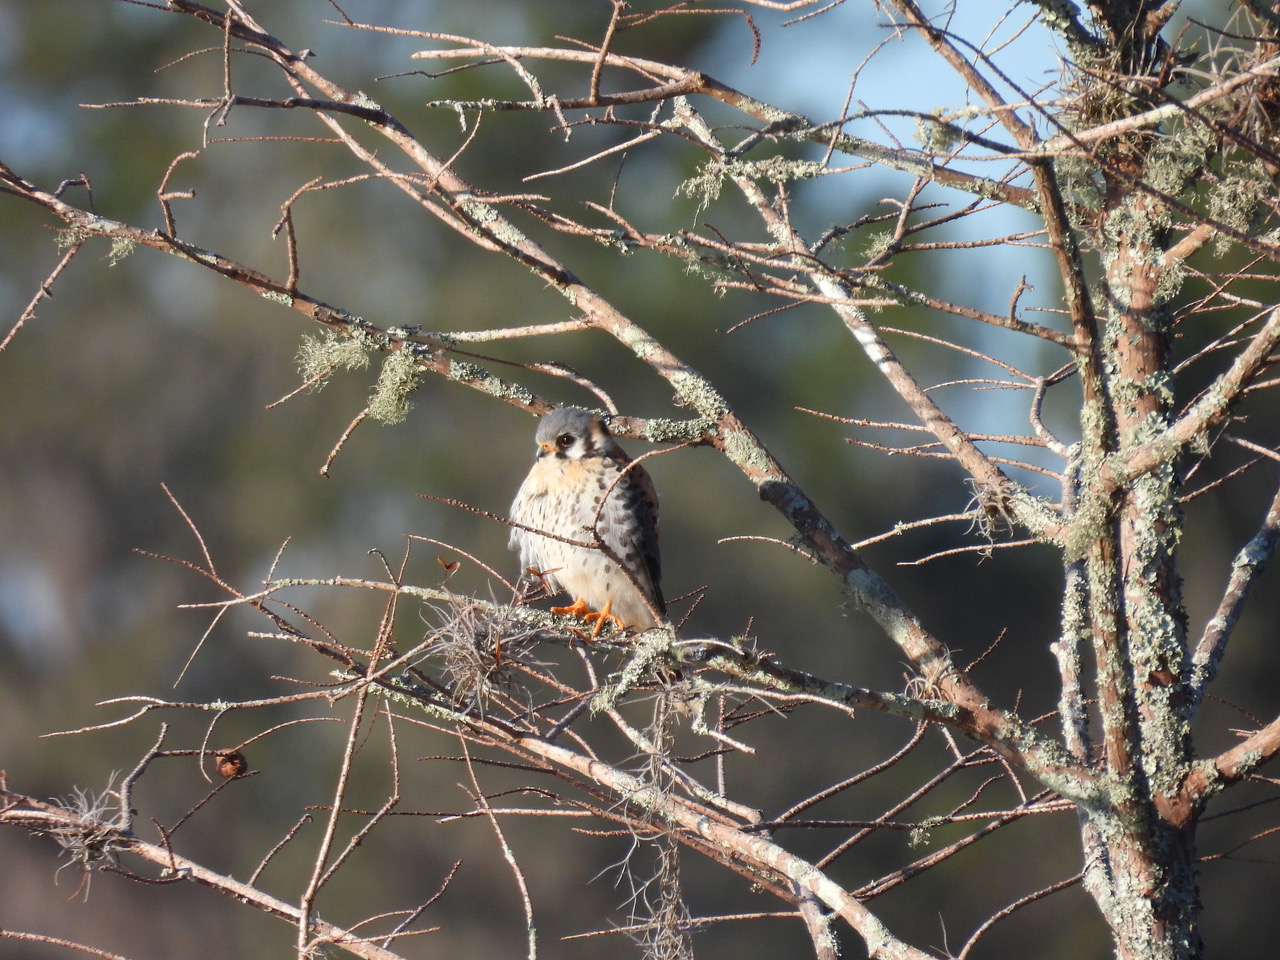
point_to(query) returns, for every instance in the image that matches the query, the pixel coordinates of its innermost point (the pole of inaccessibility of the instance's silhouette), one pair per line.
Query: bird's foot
(603, 617)
(579, 609)
(584, 612)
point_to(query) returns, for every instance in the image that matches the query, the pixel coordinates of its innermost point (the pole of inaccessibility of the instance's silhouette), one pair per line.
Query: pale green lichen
(639, 342)
(704, 186)
(1083, 188)
(664, 430)
(650, 650)
(697, 393)
(196, 255)
(1172, 276)
(318, 356)
(478, 212)
(620, 240)
(935, 134)
(714, 269)
(69, 238)
(776, 169)
(921, 832)
(400, 376)
(1237, 201)
(774, 115)
(1178, 158)
(742, 451)
(466, 372)
(878, 244)
(1135, 229)
(121, 247)
(506, 232)
(462, 116)
(512, 391)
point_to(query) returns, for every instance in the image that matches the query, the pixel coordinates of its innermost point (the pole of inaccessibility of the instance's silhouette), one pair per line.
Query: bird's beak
(546, 448)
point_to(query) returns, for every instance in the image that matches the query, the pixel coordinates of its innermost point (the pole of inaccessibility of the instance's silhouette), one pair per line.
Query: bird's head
(573, 434)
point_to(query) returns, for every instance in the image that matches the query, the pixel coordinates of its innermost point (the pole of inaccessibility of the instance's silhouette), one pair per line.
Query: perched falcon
(579, 464)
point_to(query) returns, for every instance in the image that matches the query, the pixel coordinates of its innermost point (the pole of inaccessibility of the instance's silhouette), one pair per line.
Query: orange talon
(580, 609)
(601, 618)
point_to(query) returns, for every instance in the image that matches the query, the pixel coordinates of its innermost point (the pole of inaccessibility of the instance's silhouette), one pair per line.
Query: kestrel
(578, 465)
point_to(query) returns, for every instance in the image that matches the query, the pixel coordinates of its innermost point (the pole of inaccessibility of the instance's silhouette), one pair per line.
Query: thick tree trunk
(1140, 868)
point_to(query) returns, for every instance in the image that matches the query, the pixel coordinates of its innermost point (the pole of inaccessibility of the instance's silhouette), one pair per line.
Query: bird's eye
(564, 440)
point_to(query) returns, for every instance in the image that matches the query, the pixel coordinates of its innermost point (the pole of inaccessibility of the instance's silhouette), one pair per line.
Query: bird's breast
(552, 476)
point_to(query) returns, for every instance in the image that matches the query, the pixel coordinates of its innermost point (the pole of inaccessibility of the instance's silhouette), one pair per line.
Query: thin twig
(45, 291)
